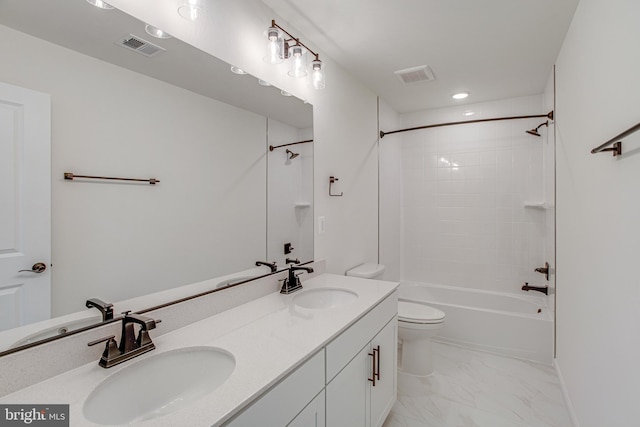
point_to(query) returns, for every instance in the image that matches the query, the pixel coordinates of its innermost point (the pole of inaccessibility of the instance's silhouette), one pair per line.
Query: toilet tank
(367, 271)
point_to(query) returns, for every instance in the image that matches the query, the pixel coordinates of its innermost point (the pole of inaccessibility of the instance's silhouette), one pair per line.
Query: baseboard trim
(565, 394)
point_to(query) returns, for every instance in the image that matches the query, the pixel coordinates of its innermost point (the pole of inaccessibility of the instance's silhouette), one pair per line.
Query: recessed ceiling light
(461, 95)
(100, 4)
(237, 70)
(469, 113)
(263, 82)
(156, 32)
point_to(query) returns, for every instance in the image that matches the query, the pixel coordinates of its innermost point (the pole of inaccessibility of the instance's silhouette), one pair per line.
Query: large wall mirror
(126, 104)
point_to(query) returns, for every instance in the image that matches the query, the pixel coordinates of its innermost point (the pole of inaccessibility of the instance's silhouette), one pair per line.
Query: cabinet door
(312, 415)
(384, 393)
(348, 393)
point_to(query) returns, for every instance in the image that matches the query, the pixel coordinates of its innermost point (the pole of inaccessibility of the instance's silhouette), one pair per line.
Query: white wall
(390, 149)
(114, 241)
(464, 188)
(598, 292)
(345, 125)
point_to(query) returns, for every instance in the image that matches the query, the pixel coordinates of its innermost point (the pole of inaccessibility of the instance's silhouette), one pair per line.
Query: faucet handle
(111, 350)
(98, 341)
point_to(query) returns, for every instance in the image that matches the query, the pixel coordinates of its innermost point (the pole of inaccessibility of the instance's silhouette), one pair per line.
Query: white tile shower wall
(290, 183)
(464, 190)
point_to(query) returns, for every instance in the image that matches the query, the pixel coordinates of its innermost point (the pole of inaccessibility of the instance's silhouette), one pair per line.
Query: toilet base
(416, 357)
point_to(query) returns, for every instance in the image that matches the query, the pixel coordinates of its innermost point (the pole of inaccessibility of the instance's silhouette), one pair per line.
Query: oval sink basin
(158, 385)
(323, 298)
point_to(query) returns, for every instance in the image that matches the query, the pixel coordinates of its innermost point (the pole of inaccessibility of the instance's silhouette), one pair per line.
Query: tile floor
(471, 388)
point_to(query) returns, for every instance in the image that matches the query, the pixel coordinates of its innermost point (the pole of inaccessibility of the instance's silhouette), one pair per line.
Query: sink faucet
(130, 346)
(271, 265)
(292, 282)
(105, 308)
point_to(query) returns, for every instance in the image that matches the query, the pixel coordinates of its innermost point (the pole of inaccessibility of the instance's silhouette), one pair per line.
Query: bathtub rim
(545, 315)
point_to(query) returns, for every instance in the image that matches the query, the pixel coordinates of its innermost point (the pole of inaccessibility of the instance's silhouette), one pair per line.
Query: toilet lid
(418, 313)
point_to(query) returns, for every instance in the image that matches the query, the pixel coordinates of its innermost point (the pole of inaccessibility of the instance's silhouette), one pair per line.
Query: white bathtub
(509, 324)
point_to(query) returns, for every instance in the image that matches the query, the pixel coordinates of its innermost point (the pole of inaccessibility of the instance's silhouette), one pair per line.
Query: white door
(25, 205)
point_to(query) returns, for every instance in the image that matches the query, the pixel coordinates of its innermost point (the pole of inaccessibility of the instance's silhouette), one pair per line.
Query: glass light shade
(192, 9)
(461, 95)
(156, 32)
(263, 82)
(100, 4)
(298, 62)
(275, 46)
(317, 75)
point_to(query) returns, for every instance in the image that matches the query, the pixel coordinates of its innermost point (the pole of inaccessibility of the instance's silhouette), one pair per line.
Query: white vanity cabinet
(289, 401)
(362, 377)
(335, 387)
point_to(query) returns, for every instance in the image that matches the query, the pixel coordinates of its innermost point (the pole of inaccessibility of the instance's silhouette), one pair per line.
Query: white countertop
(269, 337)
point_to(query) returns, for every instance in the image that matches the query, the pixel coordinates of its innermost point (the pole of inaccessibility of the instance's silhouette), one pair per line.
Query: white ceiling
(494, 49)
(77, 25)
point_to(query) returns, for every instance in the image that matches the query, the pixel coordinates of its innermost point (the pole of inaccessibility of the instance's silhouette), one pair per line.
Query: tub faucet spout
(543, 289)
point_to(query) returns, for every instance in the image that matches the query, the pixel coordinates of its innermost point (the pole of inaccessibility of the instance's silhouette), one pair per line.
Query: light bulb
(274, 46)
(297, 62)
(317, 76)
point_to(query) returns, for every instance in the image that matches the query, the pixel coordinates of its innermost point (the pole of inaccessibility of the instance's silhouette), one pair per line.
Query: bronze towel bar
(71, 176)
(615, 142)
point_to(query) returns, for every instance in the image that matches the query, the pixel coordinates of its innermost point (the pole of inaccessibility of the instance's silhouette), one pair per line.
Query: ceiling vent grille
(415, 75)
(140, 45)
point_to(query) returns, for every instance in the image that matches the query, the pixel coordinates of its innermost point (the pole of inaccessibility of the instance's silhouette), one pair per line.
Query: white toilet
(417, 323)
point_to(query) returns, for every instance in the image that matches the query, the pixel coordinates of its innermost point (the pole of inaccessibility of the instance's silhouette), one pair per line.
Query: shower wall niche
(474, 212)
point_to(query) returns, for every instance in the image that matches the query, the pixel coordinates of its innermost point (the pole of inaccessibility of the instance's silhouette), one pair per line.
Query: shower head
(292, 155)
(534, 132)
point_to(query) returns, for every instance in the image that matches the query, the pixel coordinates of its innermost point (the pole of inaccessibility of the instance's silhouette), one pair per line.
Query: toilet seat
(411, 312)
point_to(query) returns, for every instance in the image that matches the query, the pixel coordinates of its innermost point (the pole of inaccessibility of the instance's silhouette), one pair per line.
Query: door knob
(38, 267)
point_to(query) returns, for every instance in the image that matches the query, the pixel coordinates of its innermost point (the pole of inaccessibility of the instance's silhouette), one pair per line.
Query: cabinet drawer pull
(377, 368)
(373, 367)
(375, 374)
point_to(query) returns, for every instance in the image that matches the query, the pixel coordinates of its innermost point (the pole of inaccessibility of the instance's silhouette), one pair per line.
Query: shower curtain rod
(549, 116)
(271, 147)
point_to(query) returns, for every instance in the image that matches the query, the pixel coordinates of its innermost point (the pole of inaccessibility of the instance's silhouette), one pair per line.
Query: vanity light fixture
(192, 9)
(237, 70)
(298, 68)
(461, 95)
(100, 4)
(281, 48)
(156, 32)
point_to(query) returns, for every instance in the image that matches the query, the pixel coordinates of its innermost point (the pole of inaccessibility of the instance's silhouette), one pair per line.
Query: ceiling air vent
(415, 75)
(140, 45)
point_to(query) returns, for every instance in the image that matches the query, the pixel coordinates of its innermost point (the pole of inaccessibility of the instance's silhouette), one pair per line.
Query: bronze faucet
(292, 282)
(130, 345)
(105, 308)
(543, 289)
